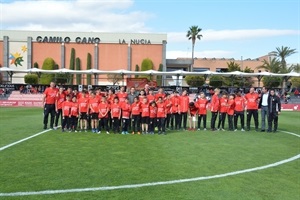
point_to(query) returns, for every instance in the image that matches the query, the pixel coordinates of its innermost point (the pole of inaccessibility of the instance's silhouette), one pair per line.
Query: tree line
(275, 65)
(75, 64)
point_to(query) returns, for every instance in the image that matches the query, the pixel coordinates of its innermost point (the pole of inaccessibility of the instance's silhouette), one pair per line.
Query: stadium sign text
(135, 41)
(79, 40)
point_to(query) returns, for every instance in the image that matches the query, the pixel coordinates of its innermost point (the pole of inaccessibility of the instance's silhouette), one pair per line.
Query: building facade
(216, 65)
(109, 51)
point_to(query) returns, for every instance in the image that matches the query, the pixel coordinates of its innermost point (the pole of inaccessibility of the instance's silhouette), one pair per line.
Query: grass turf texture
(57, 160)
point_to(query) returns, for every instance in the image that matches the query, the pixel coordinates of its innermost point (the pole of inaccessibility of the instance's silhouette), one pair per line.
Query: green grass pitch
(61, 161)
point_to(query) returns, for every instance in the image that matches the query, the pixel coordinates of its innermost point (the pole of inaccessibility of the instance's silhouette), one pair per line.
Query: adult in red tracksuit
(48, 103)
(239, 111)
(214, 108)
(184, 108)
(252, 108)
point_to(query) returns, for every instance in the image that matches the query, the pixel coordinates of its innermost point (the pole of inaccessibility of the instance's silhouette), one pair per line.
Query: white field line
(294, 134)
(18, 142)
(149, 184)
(154, 183)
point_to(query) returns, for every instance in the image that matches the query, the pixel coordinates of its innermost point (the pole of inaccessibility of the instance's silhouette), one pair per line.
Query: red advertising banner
(15, 103)
(291, 107)
(152, 84)
(137, 83)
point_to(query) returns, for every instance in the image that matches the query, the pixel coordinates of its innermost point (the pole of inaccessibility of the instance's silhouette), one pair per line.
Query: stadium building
(109, 51)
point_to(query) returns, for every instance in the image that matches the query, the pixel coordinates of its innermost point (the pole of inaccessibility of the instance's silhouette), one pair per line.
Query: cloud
(79, 15)
(217, 35)
(199, 54)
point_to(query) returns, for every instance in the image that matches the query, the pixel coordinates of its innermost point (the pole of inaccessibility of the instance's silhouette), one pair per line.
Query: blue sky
(230, 29)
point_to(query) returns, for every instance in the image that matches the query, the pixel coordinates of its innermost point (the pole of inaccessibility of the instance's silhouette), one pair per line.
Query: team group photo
(149, 100)
(147, 111)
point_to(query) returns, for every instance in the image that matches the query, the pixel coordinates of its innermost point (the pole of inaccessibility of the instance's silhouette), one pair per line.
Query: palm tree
(295, 68)
(233, 66)
(193, 34)
(284, 52)
(273, 66)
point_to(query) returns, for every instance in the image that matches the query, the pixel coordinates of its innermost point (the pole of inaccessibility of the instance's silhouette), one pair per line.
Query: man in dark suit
(274, 108)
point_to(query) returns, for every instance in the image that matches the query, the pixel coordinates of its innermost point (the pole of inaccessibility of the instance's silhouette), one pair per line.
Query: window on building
(221, 69)
(202, 69)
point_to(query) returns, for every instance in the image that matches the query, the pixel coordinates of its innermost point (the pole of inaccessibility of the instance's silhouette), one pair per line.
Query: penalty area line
(18, 142)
